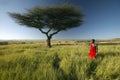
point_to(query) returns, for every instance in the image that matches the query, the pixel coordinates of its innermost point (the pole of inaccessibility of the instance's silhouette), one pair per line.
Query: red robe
(92, 53)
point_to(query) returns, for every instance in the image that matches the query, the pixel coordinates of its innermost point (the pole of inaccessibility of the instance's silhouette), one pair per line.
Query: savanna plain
(66, 60)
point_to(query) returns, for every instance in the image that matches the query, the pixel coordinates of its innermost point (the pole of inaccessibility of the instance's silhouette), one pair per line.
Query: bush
(3, 43)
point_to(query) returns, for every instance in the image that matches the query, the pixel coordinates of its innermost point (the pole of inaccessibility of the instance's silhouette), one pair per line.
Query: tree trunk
(49, 42)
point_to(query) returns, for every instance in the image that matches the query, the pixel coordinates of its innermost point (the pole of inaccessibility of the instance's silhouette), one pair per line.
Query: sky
(101, 20)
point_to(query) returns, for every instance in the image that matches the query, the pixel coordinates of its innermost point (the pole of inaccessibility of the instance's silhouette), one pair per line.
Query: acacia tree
(50, 20)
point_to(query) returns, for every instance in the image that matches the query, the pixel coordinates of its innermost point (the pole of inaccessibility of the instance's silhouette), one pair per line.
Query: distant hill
(116, 39)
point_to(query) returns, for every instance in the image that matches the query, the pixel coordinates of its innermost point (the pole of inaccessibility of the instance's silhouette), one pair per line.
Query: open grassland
(66, 60)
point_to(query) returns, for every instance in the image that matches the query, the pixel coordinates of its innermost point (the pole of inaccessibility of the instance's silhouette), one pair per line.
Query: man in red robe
(93, 50)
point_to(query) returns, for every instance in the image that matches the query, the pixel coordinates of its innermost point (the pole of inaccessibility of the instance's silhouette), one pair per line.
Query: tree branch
(54, 33)
(42, 31)
(49, 30)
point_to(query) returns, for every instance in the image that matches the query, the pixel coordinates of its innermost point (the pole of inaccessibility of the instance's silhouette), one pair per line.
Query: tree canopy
(54, 19)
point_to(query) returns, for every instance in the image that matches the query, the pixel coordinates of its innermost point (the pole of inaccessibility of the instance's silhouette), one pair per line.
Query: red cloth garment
(92, 53)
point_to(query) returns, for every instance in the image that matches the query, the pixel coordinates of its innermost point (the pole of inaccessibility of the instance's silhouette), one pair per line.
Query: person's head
(93, 40)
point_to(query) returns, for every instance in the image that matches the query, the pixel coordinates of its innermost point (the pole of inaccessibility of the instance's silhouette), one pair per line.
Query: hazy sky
(102, 19)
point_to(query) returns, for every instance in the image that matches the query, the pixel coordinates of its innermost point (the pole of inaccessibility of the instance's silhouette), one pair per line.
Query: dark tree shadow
(91, 69)
(56, 62)
(63, 76)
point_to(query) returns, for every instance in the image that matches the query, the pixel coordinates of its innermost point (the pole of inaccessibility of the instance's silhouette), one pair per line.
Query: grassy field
(66, 60)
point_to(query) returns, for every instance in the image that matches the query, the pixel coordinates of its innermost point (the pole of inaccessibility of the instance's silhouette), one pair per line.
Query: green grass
(66, 60)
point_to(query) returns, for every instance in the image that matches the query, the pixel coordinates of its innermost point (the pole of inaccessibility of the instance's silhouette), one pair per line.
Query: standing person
(93, 50)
